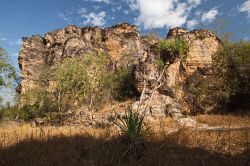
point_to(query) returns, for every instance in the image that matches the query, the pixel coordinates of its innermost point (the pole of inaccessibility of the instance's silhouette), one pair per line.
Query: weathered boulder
(157, 106)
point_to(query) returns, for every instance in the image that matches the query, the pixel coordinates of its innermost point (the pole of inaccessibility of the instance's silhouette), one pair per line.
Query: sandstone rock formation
(169, 98)
(125, 47)
(121, 42)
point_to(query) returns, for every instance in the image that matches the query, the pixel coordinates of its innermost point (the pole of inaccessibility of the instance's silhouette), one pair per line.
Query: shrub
(8, 112)
(225, 82)
(36, 102)
(171, 50)
(160, 63)
(133, 129)
(74, 82)
(7, 73)
(205, 92)
(174, 45)
(132, 126)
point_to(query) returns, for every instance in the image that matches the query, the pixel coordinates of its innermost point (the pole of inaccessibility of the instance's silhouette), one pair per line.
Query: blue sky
(28, 17)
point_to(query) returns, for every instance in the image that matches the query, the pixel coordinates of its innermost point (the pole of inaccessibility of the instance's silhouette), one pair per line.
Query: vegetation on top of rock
(176, 45)
(171, 50)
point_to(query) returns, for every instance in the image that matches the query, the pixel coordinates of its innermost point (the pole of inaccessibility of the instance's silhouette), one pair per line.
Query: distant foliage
(227, 82)
(221, 30)
(7, 72)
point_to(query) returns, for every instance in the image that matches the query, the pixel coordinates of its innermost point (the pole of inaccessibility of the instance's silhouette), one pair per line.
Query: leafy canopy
(7, 71)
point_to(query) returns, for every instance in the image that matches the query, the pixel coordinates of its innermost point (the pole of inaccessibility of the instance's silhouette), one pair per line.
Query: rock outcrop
(125, 47)
(121, 42)
(169, 97)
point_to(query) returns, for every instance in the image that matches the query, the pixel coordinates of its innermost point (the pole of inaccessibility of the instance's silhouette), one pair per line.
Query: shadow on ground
(87, 150)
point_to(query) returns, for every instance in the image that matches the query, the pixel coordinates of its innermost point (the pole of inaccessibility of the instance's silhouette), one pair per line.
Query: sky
(19, 18)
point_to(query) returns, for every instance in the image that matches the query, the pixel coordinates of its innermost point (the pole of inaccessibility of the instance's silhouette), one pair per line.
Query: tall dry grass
(225, 120)
(64, 146)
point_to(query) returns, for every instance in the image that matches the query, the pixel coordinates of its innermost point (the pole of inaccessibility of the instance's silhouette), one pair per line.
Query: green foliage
(171, 50)
(74, 82)
(37, 102)
(7, 72)
(226, 82)
(205, 91)
(160, 63)
(133, 130)
(69, 80)
(8, 112)
(28, 112)
(232, 64)
(1, 100)
(132, 126)
(174, 45)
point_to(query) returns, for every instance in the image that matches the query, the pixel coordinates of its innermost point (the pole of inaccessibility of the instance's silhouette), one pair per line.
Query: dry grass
(83, 146)
(224, 120)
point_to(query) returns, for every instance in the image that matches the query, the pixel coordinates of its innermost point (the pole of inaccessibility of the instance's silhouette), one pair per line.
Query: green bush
(37, 102)
(171, 50)
(8, 112)
(7, 71)
(133, 129)
(132, 126)
(160, 63)
(174, 45)
(74, 82)
(226, 82)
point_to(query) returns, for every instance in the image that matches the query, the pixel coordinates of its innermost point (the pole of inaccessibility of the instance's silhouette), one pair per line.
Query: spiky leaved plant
(133, 130)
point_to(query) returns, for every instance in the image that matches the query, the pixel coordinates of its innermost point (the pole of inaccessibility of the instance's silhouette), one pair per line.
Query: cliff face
(125, 47)
(120, 42)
